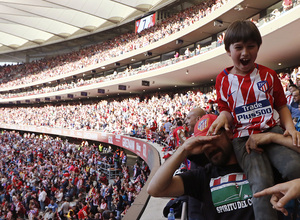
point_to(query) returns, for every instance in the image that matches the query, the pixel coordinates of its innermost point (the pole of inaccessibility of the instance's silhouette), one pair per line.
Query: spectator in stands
(42, 198)
(192, 117)
(194, 205)
(210, 109)
(294, 108)
(287, 5)
(176, 56)
(65, 208)
(53, 205)
(289, 96)
(167, 126)
(198, 49)
(178, 133)
(196, 182)
(103, 205)
(187, 53)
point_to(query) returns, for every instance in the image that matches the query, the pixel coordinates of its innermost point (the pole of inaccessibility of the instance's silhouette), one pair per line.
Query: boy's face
(243, 56)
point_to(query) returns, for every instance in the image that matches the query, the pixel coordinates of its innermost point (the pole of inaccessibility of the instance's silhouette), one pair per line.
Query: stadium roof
(33, 23)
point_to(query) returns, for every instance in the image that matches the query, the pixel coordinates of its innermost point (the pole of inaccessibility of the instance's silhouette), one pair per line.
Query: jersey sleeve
(222, 104)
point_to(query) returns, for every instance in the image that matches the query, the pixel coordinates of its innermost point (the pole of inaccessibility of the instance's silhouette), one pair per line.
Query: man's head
(192, 117)
(179, 123)
(219, 151)
(296, 95)
(292, 88)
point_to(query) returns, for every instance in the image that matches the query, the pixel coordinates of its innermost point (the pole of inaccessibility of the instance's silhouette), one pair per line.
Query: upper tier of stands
(21, 74)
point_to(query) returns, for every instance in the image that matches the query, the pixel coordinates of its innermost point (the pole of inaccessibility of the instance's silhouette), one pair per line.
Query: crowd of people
(49, 178)
(127, 116)
(14, 75)
(131, 116)
(42, 177)
(252, 136)
(116, 75)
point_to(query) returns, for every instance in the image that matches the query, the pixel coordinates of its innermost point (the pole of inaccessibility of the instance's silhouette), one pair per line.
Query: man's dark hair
(179, 123)
(293, 85)
(241, 31)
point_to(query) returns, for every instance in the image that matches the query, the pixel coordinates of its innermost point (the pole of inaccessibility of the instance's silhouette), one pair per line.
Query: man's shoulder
(293, 105)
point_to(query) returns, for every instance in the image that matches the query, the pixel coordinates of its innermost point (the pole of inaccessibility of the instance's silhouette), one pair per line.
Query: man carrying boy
(221, 186)
(247, 96)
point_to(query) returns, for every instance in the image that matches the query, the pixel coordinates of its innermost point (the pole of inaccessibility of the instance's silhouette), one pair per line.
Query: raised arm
(163, 182)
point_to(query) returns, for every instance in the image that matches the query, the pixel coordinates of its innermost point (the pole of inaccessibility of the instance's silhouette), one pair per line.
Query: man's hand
(194, 145)
(255, 140)
(281, 194)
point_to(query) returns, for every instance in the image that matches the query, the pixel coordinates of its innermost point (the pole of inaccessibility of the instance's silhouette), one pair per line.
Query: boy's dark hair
(241, 30)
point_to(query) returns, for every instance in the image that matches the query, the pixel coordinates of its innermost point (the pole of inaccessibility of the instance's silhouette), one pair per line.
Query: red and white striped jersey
(289, 99)
(251, 99)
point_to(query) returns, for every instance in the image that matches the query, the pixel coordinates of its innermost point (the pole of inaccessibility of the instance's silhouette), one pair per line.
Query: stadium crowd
(116, 75)
(123, 117)
(14, 75)
(128, 116)
(70, 174)
(41, 171)
(49, 178)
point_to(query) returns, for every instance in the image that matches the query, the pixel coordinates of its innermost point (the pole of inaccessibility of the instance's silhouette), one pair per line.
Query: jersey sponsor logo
(253, 110)
(263, 86)
(231, 192)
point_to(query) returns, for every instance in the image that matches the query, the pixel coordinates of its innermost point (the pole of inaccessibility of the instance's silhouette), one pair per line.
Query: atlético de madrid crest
(263, 86)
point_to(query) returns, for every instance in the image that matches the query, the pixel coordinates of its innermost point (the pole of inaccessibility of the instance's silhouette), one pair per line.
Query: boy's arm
(287, 122)
(224, 120)
(163, 182)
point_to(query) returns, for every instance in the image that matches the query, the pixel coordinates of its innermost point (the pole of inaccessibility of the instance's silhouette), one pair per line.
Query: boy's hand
(295, 136)
(220, 122)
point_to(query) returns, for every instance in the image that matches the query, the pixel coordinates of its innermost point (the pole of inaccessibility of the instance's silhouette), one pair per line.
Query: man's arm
(287, 122)
(255, 140)
(163, 182)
